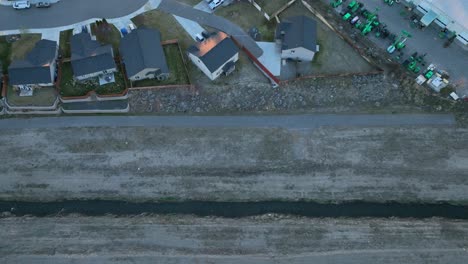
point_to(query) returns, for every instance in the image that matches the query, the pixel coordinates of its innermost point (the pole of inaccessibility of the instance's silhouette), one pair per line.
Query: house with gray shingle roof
(143, 55)
(89, 58)
(215, 55)
(297, 37)
(37, 69)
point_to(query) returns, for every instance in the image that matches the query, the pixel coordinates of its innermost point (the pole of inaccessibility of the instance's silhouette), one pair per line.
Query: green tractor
(399, 42)
(372, 21)
(389, 2)
(346, 16)
(354, 6)
(336, 3)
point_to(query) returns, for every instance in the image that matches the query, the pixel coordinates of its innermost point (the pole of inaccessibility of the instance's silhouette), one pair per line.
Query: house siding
(95, 74)
(215, 74)
(147, 74)
(298, 54)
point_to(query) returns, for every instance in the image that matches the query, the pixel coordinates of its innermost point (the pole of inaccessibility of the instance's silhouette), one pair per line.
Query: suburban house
(89, 58)
(297, 37)
(37, 69)
(143, 55)
(215, 55)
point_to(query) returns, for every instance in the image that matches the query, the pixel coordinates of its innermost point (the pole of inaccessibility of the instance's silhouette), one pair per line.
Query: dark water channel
(237, 209)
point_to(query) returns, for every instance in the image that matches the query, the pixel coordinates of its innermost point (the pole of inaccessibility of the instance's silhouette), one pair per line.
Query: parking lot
(452, 59)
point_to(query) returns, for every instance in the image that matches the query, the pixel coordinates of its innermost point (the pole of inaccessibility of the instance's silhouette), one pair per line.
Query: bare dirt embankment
(412, 164)
(260, 240)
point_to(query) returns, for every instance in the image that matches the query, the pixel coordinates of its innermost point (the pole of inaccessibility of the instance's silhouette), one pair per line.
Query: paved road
(66, 12)
(289, 122)
(453, 59)
(203, 18)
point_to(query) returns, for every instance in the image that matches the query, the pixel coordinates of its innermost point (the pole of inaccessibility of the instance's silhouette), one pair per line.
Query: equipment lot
(453, 59)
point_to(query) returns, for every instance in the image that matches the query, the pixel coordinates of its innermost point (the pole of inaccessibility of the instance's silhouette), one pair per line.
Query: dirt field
(259, 240)
(328, 164)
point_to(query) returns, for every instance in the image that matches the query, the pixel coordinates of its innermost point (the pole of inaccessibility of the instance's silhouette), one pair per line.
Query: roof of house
(89, 56)
(298, 31)
(215, 50)
(35, 67)
(142, 49)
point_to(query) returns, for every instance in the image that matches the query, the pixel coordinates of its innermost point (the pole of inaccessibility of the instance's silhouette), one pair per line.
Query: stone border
(96, 111)
(27, 108)
(37, 112)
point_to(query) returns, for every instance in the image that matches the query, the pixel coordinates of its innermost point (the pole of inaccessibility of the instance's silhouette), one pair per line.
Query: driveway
(286, 121)
(66, 12)
(203, 18)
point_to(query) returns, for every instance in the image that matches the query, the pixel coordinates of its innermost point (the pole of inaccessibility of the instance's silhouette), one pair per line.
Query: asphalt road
(66, 12)
(286, 121)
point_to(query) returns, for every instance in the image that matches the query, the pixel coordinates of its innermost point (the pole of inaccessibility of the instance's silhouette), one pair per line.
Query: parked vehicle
(199, 38)
(21, 5)
(213, 5)
(42, 4)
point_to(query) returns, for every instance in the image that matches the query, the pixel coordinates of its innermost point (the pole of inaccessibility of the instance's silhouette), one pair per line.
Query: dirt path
(411, 164)
(264, 239)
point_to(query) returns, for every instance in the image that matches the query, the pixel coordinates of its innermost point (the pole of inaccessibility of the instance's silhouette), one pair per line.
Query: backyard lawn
(246, 16)
(5, 50)
(107, 34)
(70, 87)
(270, 6)
(166, 24)
(178, 74)
(65, 37)
(25, 44)
(44, 96)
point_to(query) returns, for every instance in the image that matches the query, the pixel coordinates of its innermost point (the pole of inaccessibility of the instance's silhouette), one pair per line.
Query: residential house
(143, 55)
(297, 37)
(89, 58)
(37, 69)
(215, 55)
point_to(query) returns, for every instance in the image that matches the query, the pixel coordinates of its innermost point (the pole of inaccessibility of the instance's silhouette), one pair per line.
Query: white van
(21, 5)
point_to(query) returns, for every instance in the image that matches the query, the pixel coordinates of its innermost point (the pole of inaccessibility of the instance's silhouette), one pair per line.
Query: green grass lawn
(5, 51)
(65, 37)
(178, 74)
(24, 45)
(166, 24)
(44, 96)
(247, 16)
(107, 35)
(70, 87)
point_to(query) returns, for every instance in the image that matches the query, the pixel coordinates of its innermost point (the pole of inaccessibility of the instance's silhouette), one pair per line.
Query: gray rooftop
(215, 51)
(142, 49)
(35, 68)
(89, 56)
(298, 31)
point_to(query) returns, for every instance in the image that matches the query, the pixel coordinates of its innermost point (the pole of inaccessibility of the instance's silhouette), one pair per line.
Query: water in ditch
(237, 209)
